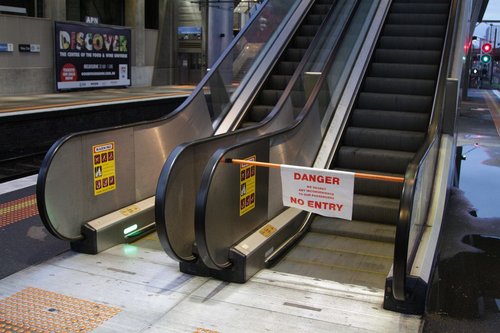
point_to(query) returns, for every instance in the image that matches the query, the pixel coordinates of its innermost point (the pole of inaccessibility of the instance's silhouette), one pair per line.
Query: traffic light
(486, 48)
(485, 57)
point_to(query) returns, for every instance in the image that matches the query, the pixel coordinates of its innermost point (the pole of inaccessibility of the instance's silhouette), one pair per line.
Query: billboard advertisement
(91, 56)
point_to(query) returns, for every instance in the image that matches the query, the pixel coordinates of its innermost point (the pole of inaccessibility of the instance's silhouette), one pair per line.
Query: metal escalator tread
(373, 159)
(403, 71)
(354, 229)
(341, 259)
(422, 19)
(375, 187)
(382, 119)
(401, 86)
(394, 102)
(375, 209)
(384, 138)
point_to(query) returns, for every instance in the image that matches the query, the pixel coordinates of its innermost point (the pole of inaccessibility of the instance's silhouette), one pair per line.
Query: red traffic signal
(486, 47)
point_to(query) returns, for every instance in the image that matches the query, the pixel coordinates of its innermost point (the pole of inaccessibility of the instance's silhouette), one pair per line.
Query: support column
(55, 10)
(134, 18)
(220, 28)
(165, 47)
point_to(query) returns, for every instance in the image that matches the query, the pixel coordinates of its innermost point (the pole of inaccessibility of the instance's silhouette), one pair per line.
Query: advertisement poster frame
(90, 56)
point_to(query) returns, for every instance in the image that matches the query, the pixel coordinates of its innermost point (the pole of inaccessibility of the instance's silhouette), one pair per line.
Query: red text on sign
(316, 178)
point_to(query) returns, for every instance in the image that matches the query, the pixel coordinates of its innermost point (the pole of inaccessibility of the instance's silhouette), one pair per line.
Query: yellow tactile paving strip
(17, 210)
(38, 310)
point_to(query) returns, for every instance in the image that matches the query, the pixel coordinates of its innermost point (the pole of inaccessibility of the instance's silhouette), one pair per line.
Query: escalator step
(413, 30)
(389, 102)
(399, 86)
(375, 209)
(421, 1)
(406, 121)
(378, 188)
(414, 43)
(422, 19)
(259, 112)
(373, 159)
(315, 19)
(377, 138)
(403, 71)
(308, 30)
(278, 81)
(354, 229)
(287, 67)
(301, 42)
(294, 55)
(341, 259)
(420, 8)
(320, 9)
(424, 57)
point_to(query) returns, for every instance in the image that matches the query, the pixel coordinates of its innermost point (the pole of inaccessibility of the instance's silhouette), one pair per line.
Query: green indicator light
(485, 58)
(130, 229)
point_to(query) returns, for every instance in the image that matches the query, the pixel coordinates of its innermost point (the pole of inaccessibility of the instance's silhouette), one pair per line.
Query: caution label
(104, 168)
(247, 186)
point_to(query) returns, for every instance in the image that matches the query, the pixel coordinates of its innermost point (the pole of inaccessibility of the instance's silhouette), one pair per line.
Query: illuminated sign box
(189, 33)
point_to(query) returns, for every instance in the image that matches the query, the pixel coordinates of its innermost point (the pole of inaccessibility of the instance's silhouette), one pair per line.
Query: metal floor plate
(138, 288)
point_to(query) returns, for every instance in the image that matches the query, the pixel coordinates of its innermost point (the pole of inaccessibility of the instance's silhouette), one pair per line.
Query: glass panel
(242, 58)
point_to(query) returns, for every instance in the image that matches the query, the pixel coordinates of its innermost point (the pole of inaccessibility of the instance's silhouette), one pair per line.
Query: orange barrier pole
(356, 174)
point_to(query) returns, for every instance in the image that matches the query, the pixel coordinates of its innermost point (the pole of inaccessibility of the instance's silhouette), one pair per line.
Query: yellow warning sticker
(267, 230)
(127, 211)
(104, 168)
(247, 186)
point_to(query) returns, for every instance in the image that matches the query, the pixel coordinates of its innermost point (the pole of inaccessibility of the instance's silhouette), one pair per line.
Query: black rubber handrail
(202, 197)
(165, 174)
(42, 174)
(401, 259)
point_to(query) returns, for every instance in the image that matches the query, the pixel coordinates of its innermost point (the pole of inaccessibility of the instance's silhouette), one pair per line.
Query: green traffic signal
(485, 58)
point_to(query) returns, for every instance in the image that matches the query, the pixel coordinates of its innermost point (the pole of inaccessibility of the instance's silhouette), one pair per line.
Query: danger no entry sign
(324, 192)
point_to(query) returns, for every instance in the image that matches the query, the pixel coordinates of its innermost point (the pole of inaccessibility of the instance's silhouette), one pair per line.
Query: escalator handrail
(50, 155)
(401, 262)
(165, 173)
(202, 196)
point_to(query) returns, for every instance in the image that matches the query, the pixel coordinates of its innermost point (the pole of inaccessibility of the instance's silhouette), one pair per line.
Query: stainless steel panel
(142, 149)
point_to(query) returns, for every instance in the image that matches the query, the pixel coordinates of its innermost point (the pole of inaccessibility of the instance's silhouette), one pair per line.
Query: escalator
(392, 128)
(388, 125)
(281, 98)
